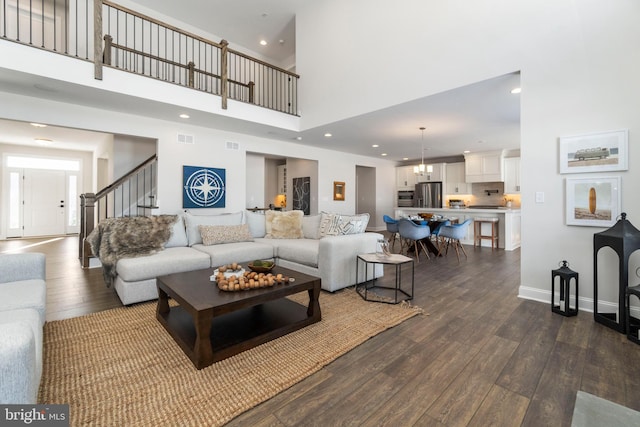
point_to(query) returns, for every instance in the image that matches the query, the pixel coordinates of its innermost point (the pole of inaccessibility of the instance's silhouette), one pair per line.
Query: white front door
(44, 202)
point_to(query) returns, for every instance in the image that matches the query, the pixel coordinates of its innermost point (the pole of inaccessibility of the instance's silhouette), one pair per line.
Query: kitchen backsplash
(486, 193)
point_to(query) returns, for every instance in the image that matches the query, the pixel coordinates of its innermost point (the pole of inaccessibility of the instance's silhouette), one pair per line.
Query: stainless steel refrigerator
(428, 195)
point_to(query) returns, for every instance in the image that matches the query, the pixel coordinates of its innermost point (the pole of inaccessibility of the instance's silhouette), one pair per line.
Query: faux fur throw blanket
(125, 237)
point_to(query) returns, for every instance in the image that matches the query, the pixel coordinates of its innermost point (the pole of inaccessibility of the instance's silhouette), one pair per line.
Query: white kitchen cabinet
(484, 167)
(455, 180)
(405, 178)
(282, 179)
(512, 175)
(437, 174)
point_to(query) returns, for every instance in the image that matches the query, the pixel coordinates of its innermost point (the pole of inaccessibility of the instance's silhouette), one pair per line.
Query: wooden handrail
(173, 63)
(89, 202)
(282, 70)
(155, 21)
(100, 194)
(268, 96)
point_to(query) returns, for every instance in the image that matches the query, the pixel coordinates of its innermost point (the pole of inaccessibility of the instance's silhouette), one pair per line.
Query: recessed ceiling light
(383, 154)
(466, 151)
(327, 135)
(38, 125)
(516, 90)
(184, 116)
(299, 138)
(405, 158)
(43, 141)
(375, 146)
(263, 42)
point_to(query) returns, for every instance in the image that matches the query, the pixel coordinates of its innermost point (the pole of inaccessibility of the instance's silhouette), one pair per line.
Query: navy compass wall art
(203, 187)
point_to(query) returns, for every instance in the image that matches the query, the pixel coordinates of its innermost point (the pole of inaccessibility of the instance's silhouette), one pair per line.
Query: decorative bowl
(261, 268)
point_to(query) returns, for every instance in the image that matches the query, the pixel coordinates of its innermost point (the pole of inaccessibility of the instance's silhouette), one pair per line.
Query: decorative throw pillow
(284, 225)
(192, 223)
(217, 234)
(335, 224)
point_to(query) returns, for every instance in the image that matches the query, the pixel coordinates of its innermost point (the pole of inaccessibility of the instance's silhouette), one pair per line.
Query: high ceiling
(241, 22)
(479, 117)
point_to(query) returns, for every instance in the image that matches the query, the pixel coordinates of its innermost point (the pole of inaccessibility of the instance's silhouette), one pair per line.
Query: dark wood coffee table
(211, 325)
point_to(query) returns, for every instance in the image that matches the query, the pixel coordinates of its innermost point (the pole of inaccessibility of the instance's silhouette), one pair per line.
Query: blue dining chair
(412, 234)
(435, 235)
(392, 227)
(451, 235)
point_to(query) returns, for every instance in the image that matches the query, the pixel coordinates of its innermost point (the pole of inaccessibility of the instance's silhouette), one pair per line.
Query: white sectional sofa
(22, 316)
(311, 251)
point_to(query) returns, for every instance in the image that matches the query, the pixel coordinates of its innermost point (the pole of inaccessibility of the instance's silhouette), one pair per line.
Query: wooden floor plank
(501, 408)
(554, 398)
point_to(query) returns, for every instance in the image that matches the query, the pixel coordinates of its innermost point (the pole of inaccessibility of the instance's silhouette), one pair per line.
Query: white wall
(256, 176)
(579, 64)
(129, 152)
(210, 149)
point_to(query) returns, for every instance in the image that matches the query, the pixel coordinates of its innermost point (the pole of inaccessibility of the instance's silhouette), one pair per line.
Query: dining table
(433, 224)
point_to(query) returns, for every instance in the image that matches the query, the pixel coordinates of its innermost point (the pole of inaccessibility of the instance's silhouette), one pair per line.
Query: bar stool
(477, 231)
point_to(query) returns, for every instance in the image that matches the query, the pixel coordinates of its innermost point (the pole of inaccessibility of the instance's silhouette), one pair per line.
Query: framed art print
(203, 187)
(302, 194)
(594, 152)
(593, 202)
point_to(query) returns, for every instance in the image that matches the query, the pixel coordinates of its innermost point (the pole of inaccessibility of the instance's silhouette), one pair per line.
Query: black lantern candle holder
(633, 323)
(624, 239)
(565, 276)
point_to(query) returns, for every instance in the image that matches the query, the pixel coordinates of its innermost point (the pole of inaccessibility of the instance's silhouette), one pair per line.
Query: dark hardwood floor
(479, 356)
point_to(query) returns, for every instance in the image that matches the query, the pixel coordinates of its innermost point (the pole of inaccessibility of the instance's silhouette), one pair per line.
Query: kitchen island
(508, 226)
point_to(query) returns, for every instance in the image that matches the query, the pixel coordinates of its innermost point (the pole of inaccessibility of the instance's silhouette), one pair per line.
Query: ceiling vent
(185, 139)
(232, 145)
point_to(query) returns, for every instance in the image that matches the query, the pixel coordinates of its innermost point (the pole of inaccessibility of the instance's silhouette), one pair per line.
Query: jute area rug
(121, 368)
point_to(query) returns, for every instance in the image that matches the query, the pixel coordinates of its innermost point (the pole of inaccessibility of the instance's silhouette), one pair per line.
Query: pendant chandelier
(421, 168)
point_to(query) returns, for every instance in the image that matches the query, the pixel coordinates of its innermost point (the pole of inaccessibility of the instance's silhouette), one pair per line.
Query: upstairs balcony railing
(113, 36)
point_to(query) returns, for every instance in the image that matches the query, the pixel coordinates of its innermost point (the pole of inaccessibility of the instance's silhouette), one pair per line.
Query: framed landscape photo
(593, 202)
(594, 152)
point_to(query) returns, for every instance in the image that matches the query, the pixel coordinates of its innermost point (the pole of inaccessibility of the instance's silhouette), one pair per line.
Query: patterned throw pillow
(284, 225)
(336, 224)
(217, 234)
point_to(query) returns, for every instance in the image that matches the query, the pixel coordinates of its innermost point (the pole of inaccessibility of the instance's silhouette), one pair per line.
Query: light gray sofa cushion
(19, 371)
(193, 221)
(311, 226)
(240, 252)
(257, 223)
(170, 260)
(178, 234)
(24, 294)
(133, 292)
(30, 317)
(14, 267)
(300, 251)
